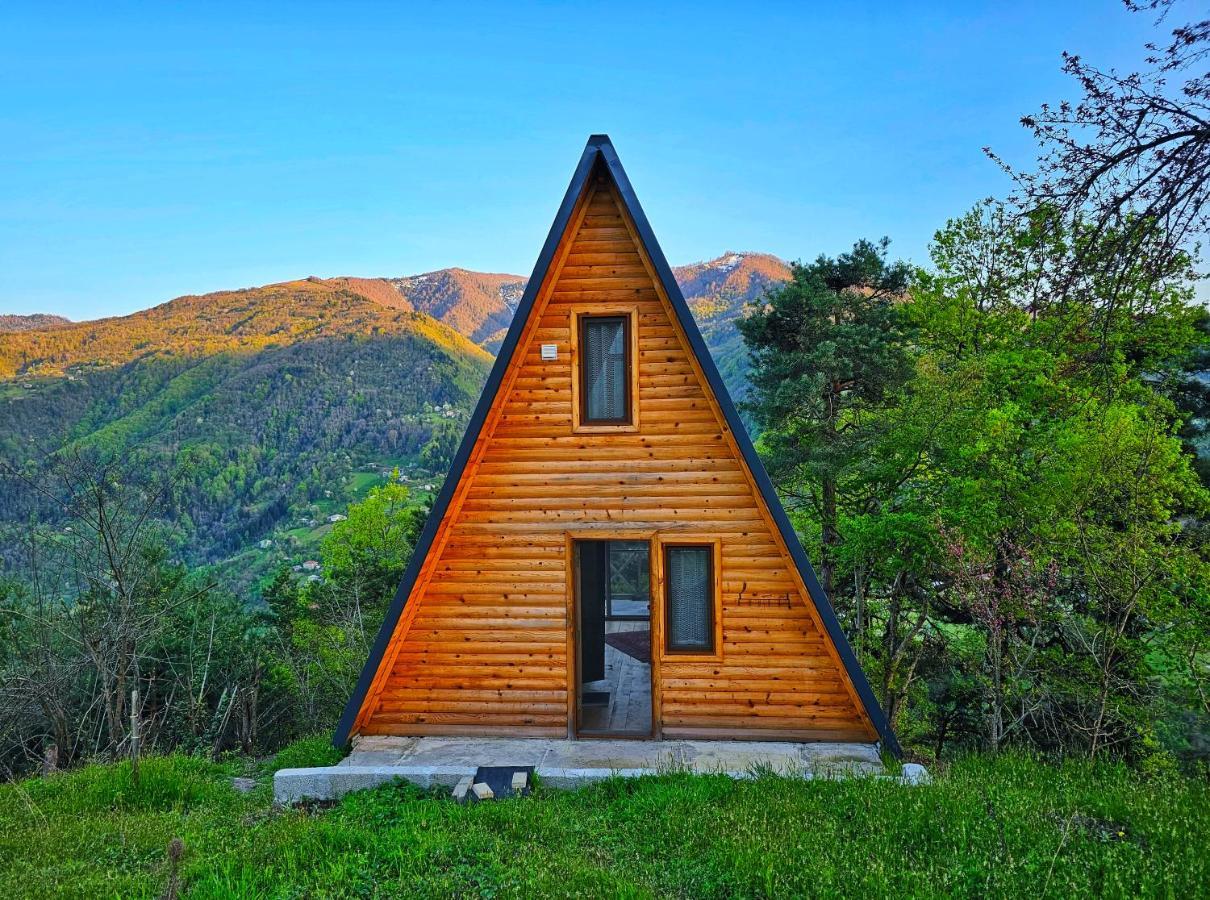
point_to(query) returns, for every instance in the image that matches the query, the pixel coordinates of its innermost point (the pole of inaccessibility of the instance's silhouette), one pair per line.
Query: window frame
(714, 580)
(584, 322)
(581, 424)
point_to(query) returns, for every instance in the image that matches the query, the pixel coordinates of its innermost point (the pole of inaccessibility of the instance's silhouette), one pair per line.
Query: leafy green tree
(1056, 453)
(366, 553)
(1127, 489)
(1007, 522)
(326, 626)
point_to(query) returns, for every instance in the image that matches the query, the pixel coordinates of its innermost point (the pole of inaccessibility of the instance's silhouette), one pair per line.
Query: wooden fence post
(134, 736)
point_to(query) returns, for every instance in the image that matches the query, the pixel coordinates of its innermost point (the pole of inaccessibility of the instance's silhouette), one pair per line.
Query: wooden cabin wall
(484, 644)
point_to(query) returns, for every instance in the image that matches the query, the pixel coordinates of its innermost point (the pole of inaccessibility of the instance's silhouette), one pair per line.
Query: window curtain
(689, 598)
(606, 373)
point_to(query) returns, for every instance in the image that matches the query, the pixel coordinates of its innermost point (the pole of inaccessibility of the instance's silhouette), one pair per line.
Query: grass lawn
(1011, 826)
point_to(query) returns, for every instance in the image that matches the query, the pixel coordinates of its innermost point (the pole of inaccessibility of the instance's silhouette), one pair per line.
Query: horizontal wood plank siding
(485, 648)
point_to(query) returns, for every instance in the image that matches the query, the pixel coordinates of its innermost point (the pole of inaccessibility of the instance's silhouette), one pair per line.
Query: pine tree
(828, 349)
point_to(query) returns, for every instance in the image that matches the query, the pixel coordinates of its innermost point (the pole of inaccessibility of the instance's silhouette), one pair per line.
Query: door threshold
(615, 736)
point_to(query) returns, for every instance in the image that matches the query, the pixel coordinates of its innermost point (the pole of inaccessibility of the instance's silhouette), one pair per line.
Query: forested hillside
(260, 403)
(274, 406)
(276, 315)
(478, 305)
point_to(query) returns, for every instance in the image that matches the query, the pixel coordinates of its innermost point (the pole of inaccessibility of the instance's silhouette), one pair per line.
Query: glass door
(613, 638)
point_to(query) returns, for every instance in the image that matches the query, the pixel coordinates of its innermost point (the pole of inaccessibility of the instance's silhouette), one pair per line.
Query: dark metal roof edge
(769, 494)
(345, 726)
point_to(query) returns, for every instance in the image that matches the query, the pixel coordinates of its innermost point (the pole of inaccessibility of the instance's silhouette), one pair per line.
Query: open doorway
(613, 638)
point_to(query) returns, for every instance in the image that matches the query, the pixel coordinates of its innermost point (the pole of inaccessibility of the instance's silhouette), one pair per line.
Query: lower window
(689, 598)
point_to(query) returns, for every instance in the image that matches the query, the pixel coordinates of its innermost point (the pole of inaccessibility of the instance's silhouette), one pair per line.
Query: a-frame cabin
(607, 555)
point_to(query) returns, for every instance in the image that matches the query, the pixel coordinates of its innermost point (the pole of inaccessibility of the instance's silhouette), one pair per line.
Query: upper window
(605, 370)
(689, 596)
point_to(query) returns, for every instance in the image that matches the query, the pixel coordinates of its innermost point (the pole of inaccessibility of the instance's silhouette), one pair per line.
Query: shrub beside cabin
(607, 556)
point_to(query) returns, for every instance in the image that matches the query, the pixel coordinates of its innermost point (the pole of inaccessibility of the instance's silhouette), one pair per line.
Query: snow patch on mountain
(511, 294)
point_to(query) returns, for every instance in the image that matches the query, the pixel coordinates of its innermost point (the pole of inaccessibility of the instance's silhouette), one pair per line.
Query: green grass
(1011, 826)
(360, 483)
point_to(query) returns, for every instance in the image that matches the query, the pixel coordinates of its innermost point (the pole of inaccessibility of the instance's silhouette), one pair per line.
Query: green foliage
(325, 627)
(1017, 547)
(1056, 449)
(1001, 827)
(438, 454)
(112, 612)
(825, 346)
(1188, 384)
(376, 537)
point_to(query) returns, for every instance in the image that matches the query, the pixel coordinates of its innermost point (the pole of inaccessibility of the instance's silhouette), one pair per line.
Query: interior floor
(628, 684)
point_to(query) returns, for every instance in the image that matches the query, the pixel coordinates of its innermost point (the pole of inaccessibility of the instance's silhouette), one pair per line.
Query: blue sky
(153, 150)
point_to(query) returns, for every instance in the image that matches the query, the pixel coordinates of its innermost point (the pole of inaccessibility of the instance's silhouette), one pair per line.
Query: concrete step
(449, 762)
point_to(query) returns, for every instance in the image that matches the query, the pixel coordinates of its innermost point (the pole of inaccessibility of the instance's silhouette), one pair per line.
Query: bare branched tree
(98, 599)
(1131, 158)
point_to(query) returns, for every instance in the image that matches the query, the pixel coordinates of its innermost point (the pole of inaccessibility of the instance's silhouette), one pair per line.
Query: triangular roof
(599, 152)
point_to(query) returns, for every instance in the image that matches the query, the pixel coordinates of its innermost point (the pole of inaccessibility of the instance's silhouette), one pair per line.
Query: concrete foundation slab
(432, 761)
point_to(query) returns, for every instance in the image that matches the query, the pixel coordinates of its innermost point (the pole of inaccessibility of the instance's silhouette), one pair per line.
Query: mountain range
(478, 306)
(274, 406)
(30, 323)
